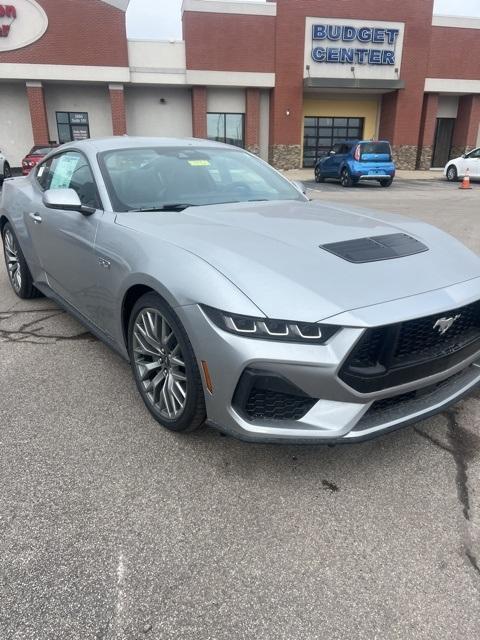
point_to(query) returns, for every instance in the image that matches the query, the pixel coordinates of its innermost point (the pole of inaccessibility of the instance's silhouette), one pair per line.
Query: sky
(160, 19)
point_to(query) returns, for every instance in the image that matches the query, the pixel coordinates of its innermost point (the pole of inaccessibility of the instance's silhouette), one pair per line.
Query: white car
(458, 167)
(5, 170)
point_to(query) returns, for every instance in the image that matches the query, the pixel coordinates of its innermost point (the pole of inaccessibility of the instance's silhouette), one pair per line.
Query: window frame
(225, 114)
(69, 124)
(61, 153)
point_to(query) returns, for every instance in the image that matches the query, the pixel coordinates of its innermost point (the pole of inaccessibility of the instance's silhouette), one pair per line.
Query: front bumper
(339, 413)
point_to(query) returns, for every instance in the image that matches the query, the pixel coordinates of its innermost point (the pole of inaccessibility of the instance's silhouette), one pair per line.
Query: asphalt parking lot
(111, 528)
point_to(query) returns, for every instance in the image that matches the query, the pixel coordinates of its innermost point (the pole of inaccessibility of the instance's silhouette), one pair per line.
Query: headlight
(267, 329)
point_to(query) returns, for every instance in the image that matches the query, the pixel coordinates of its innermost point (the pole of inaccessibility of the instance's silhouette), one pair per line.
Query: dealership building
(285, 79)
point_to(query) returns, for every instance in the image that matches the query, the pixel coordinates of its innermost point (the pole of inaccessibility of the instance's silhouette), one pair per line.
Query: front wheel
(19, 274)
(164, 365)
(346, 179)
(318, 175)
(386, 183)
(452, 173)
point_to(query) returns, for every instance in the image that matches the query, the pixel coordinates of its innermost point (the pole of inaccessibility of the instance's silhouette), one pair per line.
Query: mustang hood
(271, 251)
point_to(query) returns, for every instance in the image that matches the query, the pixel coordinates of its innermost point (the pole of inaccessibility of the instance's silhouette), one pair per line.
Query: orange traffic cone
(466, 181)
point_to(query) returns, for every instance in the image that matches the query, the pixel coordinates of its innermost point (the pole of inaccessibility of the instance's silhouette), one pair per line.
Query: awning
(353, 83)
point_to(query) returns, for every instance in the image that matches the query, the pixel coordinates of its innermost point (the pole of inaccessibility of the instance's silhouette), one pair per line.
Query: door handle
(36, 217)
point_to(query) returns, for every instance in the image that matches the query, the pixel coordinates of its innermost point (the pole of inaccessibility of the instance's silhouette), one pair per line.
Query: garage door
(320, 134)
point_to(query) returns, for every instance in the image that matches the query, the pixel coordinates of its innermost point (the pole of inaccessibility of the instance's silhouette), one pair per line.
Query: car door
(64, 240)
(472, 163)
(331, 162)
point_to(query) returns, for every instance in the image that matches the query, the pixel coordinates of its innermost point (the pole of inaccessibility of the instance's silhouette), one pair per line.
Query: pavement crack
(459, 455)
(433, 440)
(473, 560)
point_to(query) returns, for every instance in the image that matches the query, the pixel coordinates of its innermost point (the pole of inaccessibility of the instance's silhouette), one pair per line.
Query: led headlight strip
(268, 329)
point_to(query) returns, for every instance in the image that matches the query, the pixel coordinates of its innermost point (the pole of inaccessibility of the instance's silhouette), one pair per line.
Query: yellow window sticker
(199, 163)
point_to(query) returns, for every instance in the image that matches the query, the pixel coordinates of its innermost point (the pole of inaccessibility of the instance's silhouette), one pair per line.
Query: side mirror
(300, 186)
(66, 199)
(464, 155)
(331, 152)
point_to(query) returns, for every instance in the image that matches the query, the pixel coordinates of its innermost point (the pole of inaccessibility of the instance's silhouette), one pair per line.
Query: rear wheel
(346, 178)
(17, 268)
(164, 365)
(387, 182)
(452, 173)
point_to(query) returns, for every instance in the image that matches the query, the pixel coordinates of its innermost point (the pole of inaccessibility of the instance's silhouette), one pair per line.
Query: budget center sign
(337, 48)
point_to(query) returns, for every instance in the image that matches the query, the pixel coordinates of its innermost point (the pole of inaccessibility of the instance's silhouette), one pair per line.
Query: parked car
(34, 156)
(239, 301)
(5, 170)
(457, 168)
(352, 161)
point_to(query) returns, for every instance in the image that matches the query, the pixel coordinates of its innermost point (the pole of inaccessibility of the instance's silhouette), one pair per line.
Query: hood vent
(361, 250)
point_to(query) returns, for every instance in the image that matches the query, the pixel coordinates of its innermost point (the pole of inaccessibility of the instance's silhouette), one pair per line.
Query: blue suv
(356, 160)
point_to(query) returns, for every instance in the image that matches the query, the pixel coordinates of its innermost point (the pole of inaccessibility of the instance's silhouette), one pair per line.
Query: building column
(38, 112)
(252, 120)
(400, 124)
(199, 112)
(428, 125)
(466, 132)
(286, 121)
(117, 105)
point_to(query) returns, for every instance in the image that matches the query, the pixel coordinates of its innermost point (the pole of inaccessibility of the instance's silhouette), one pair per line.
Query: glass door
(321, 134)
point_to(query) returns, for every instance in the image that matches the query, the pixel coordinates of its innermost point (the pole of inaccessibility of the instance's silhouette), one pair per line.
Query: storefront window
(226, 127)
(321, 134)
(72, 126)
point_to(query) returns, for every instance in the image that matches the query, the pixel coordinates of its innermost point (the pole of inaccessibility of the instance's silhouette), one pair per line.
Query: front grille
(397, 354)
(275, 405)
(262, 395)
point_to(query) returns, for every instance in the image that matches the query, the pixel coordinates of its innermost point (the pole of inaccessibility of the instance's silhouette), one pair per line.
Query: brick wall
(199, 112)
(252, 120)
(454, 53)
(80, 32)
(38, 113)
(229, 42)
(117, 103)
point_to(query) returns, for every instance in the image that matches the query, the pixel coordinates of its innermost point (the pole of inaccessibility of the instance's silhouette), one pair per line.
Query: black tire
(452, 173)
(7, 172)
(346, 178)
(23, 285)
(318, 175)
(386, 183)
(193, 414)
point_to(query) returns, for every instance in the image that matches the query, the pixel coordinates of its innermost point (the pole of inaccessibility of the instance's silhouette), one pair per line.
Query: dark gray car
(236, 299)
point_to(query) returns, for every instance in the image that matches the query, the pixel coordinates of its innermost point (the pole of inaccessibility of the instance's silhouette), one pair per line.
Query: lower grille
(274, 405)
(397, 354)
(261, 395)
(403, 408)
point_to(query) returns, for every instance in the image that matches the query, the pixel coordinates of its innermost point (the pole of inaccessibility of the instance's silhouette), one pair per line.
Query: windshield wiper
(175, 206)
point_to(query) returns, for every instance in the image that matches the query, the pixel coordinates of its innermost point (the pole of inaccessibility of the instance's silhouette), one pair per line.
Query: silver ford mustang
(239, 301)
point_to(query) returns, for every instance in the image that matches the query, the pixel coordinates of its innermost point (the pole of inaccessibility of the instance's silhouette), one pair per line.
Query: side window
(43, 174)
(71, 171)
(474, 154)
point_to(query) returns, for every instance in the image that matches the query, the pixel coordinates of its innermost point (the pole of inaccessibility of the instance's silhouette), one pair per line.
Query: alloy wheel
(159, 363)
(13, 260)
(452, 173)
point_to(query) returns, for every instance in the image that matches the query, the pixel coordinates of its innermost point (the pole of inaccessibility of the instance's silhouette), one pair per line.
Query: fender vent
(361, 250)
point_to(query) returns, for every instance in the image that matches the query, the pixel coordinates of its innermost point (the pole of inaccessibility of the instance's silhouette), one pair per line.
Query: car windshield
(177, 177)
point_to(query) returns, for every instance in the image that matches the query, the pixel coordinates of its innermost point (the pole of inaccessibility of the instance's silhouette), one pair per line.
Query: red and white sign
(8, 13)
(22, 22)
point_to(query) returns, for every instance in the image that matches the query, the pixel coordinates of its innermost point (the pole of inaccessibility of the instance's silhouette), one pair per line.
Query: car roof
(352, 142)
(130, 142)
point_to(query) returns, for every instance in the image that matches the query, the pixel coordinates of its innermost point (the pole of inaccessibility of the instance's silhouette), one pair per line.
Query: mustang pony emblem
(444, 324)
